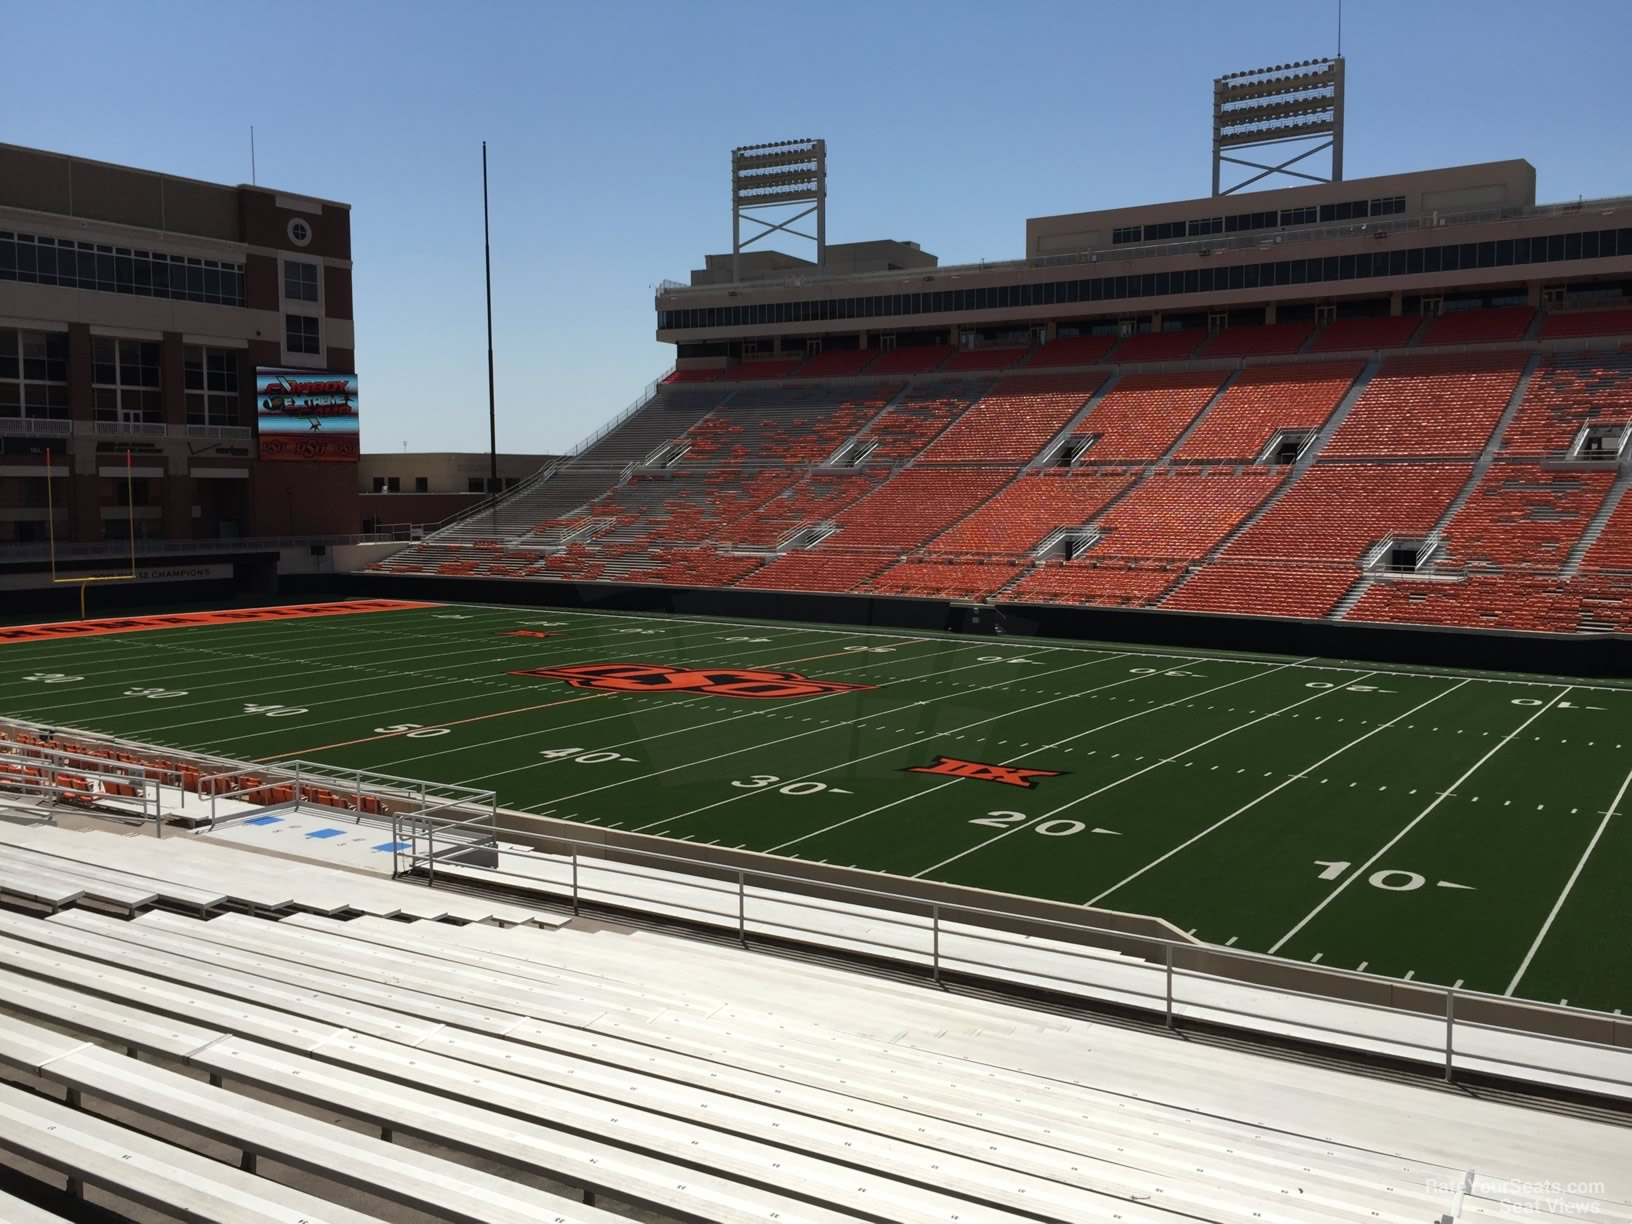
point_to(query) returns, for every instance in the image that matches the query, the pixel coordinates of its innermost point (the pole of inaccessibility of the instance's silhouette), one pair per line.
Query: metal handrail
(47, 426)
(886, 906)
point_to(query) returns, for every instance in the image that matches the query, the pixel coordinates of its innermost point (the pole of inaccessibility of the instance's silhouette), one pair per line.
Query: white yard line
(872, 664)
(804, 704)
(547, 650)
(1267, 660)
(1167, 760)
(1565, 895)
(1247, 807)
(916, 740)
(1418, 819)
(1043, 748)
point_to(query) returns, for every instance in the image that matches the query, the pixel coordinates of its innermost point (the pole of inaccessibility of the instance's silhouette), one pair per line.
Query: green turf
(1421, 823)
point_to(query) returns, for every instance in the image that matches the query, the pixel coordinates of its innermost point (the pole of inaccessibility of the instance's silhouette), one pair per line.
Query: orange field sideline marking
(60, 630)
(454, 723)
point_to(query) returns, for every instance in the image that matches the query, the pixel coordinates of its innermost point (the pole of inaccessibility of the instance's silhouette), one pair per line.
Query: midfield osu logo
(709, 681)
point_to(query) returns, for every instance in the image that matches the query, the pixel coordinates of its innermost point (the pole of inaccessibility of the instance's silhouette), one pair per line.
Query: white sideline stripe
(1244, 808)
(872, 665)
(915, 740)
(1265, 660)
(118, 648)
(383, 693)
(1564, 896)
(1167, 760)
(250, 664)
(1043, 748)
(834, 726)
(1393, 841)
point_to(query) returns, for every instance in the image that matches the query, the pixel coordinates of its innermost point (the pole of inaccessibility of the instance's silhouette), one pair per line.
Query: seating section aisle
(1021, 516)
(1523, 517)
(1496, 326)
(1264, 400)
(1568, 392)
(914, 506)
(787, 425)
(1158, 346)
(1564, 325)
(297, 1066)
(931, 492)
(1378, 332)
(1142, 415)
(918, 417)
(1103, 583)
(945, 579)
(1179, 514)
(1430, 404)
(1246, 589)
(1337, 511)
(1072, 351)
(1272, 340)
(1014, 420)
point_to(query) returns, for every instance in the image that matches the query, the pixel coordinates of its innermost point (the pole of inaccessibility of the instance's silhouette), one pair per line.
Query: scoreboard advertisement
(307, 414)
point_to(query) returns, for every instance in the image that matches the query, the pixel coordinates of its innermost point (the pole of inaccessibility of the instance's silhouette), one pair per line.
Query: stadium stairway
(1606, 511)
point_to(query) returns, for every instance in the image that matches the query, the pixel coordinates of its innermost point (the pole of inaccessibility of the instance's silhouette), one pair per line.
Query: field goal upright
(85, 580)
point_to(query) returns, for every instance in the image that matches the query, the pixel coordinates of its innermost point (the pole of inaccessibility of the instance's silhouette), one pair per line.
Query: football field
(1456, 828)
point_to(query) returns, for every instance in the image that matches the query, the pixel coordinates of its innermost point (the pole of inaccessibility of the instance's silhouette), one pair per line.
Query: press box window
(300, 334)
(299, 281)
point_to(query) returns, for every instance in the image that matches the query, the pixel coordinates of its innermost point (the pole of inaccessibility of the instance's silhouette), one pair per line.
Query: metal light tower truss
(777, 178)
(1289, 104)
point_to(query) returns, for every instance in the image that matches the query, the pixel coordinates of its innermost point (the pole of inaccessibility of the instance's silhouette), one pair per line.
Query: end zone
(182, 620)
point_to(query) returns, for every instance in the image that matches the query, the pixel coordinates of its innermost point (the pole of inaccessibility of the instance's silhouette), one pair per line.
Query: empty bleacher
(761, 368)
(836, 363)
(1612, 550)
(1024, 513)
(1337, 511)
(1181, 513)
(984, 359)
(1572, 324)
(319, 1061)
(1142, 415)
(918, 417)
(916, 359)
(914, 506)
(1274, 339)
(1263, 401)
(1357, 335)
(1430, 404)
(820, 569)
(1253, 589)
(1568, 392)
(1497, 325)
(1072, 351)
(946, 578)
(1158, 346)
(815, 499)
(666, 417)
(1015, 419)
(802, 424)
(1521, 517)
(1101, 583)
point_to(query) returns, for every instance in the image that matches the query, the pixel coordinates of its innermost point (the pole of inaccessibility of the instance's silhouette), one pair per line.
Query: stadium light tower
(778, 177)
(1289, 104)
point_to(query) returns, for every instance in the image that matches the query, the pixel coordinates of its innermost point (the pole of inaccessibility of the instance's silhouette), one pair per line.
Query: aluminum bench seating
(400, 1175)
(463, 1110)
(149, 1172)
(127, 896)
(973, 1108)
(39, 888)
(200, 899)
(16, 1211)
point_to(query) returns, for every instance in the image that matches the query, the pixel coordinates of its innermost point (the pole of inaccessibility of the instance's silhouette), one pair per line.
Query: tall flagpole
(492, 411)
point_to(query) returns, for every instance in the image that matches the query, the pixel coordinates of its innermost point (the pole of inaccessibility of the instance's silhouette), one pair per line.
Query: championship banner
(307, 415)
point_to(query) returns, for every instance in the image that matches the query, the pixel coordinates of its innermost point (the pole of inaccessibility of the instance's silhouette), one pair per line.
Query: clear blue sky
(610, 123)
